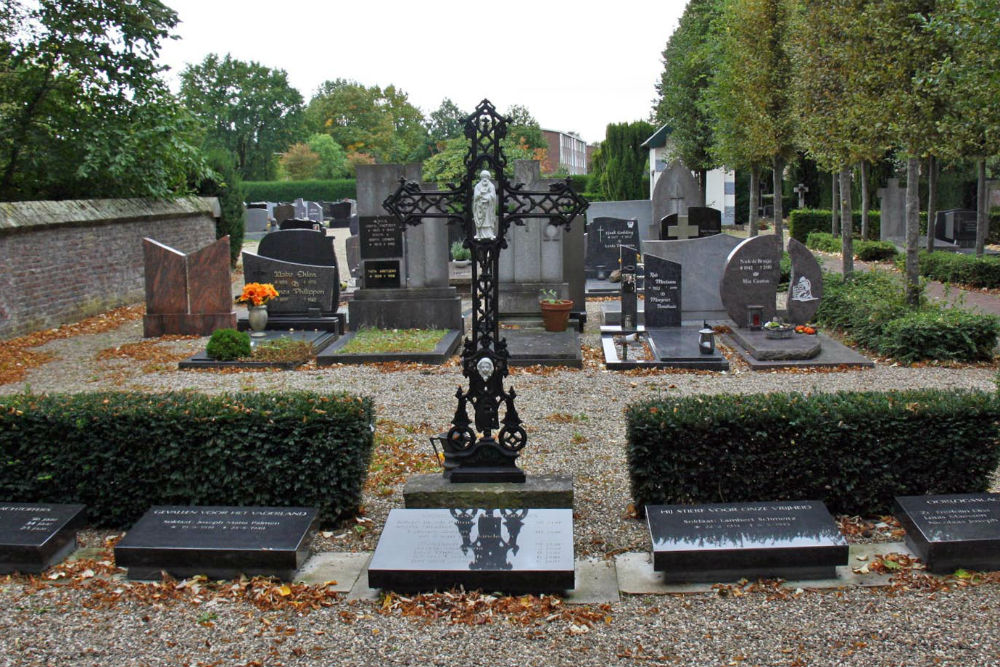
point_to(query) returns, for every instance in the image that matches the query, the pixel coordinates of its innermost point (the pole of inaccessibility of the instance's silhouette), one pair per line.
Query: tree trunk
(912, 231)
(779, 179)
(845, 220)
(982, 209)
(865, 199)
(932, 183)
(754, 198)
(835, 206)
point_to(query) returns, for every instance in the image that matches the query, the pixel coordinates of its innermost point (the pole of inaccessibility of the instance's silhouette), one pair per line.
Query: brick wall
(61, 261)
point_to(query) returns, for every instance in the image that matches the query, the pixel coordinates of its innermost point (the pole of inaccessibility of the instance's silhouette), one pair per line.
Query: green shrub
(784, 270)
(952, 267)
(314, 190)
(855, 451)
(824, 242)
(459, 251)
(225, 184)
(942, 334)
(228, 344)
(120, 453)
(875, 251)
(579, 182)
(861, 305)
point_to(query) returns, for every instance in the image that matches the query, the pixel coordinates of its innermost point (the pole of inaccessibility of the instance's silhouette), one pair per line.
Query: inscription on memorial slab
(511, 550)
(955, 531)
(301, 287)
(34, 536)
(382, 274)
(604, 236)
(729, 541)
(220, 542)
(381, 237)
(663, 293)
(751, 278)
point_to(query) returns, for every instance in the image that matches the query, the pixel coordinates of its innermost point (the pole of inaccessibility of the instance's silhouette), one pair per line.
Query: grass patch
(286, 350)
(368, 341)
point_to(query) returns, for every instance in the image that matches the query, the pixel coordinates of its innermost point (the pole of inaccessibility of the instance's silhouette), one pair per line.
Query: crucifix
(801, 189)
(485, 204)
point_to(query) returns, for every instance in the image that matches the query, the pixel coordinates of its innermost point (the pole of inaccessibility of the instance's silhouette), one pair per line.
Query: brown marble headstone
(187, 294)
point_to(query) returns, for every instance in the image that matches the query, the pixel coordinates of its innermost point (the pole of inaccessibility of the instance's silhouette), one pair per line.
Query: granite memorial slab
(256, 220)
(956, 226)
(663, 293)
(805, 289)
(708, 220)
(382, 274)
(302, 288)
(676, 227)
(34, 536)
(604, 236)
(283, 212)
(954, 531)
(676, 191)
(302, 246)
(750, 278)
(762, 348)
(296, 223)
(381, 237)
(730, 541)
(509, 550)
(702, 263)
(219, 542)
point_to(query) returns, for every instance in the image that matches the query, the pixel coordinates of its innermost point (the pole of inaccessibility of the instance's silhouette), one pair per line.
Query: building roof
(659, 138)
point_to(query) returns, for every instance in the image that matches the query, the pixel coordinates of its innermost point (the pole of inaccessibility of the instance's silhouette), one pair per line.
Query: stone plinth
(539, 491)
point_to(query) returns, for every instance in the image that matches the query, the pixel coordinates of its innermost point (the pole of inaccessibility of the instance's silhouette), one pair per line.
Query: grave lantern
(706, 339)
(755, 317)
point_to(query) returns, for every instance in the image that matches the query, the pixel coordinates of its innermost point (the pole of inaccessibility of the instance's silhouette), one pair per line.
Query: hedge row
(802, 221)
(870, 306)
(866, 251)
(314, 190)
(120, 453)
(951, 267)
(854, 451)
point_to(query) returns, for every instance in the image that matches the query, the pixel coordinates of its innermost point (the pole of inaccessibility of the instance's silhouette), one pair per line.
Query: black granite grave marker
(751, 278)
(302, 246)
(666, 223)
(295, 223)
(510, 550)
(382, 274)
(34, 536)
(663, 293)
(949, 532)
(604, 236)
(708, 220)
(729, 541)
(381, 237)
(219, 542)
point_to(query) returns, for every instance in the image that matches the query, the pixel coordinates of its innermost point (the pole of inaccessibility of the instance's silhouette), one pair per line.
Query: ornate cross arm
(559, 204)
(410, 204)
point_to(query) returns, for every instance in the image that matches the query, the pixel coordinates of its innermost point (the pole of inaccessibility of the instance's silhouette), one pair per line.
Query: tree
(83, 110)
(445, 123)
(299, 162)
(224, 182)
(623, 161)
(332, 158)
(248, 109)
(687, 72)
(524, 129)
(381, 123)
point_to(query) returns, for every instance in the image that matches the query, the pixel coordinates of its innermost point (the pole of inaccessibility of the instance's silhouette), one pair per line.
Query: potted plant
(460, 255)
(555, 311)
(256, 296)
(778, 329)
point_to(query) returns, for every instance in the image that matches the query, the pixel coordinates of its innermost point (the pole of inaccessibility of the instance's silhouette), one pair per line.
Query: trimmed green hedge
(953, 267)
(854, 451)
(120, 453)
(824, 242)
(314, 190)
(804, 220)
(870, 307)
(866, 251)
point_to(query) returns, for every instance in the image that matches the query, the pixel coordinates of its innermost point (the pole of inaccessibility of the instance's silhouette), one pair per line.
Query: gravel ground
(576, 426)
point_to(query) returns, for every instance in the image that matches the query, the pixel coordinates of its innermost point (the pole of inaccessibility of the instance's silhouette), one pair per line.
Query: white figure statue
(484, 207)
(802, 290)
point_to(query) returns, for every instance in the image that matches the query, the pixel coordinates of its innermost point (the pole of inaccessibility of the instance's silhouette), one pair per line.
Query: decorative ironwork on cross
(485, 212)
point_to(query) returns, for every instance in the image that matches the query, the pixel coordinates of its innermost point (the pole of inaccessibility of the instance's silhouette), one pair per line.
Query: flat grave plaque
(955, 531)
(793, 539)
(34, 536)
(510, 550)
(381, 237)
(219, 542)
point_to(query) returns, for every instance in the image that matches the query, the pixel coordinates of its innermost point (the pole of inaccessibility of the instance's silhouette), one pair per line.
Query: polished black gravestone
(219, 542)
(730, 541)
(509, 550)
(949, 532)
(604, 236)
(663, 293)
(34, 536)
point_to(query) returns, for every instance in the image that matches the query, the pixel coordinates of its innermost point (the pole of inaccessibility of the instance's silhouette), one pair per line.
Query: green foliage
(618, 174)
(249, 109)
(448, 166)
(854, 451)
(278, 191)
(288, 449)
(969, 270)
(228, 344)
(803, 221)
(283, 350)
(459, 251)
(299, 162)
(824, 242)
(875, 251)
(371, 341)
(446, 122)
(332, 158)
(83, 110)
(224, 182)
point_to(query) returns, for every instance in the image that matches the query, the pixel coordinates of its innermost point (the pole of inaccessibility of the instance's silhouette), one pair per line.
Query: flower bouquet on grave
(257, 294)
(778, 329)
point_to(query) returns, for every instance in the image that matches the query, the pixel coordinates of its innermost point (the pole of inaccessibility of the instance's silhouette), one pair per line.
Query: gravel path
(576, 426)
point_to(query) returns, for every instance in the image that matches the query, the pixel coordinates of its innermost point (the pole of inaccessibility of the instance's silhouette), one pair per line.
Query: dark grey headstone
(515, 550)
(663, 293)
(949, 532)
(295, 223)
(283, 212)
(219, 542)
(676, 191)
(381, 274)
(604, 235)
(381, 237)
(340, 210)
(303, 246)
(708, 220)
(792, 539)
(302, 288)
(34, 536)
(805, 290)
(352, 246)
(751, 278)
(957, 226)
(665, 224)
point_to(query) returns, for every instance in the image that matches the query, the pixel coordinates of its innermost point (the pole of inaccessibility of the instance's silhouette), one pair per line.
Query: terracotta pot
(555, 314)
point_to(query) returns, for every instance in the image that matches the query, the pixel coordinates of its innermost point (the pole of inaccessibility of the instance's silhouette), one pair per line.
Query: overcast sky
(577, 66)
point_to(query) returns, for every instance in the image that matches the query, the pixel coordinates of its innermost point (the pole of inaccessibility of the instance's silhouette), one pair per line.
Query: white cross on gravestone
(683, 230)
(801, 191)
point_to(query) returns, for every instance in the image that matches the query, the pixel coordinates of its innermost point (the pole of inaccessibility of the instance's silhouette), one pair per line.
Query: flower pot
(779, 333)
(555, 314)
(257, 319)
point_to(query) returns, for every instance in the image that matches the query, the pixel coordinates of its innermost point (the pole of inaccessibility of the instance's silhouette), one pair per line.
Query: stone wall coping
(26, 216)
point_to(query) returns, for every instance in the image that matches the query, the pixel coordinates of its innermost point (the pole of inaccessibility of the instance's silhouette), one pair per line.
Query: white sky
(577, 66)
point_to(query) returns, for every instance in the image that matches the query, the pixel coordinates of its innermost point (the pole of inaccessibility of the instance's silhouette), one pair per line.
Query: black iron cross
(484, 355)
